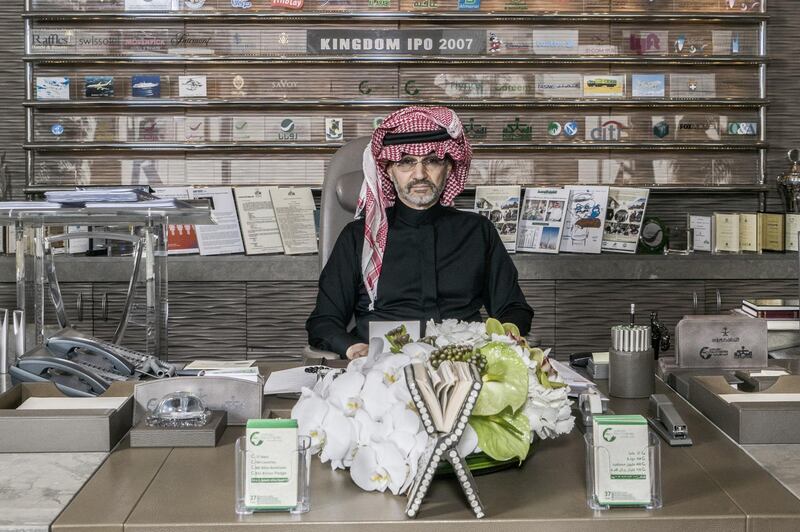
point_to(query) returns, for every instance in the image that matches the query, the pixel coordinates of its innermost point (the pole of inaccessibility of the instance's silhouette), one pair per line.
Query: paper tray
(747, 423)
(48, 431)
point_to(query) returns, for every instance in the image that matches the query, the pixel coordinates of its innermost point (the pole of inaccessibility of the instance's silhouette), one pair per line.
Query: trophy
(789, 184)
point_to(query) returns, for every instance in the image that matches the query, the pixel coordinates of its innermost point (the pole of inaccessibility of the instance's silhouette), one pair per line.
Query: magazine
(542, 220)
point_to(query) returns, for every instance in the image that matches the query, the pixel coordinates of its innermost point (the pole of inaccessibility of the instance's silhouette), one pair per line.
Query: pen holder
(597, 463)
(301, 462)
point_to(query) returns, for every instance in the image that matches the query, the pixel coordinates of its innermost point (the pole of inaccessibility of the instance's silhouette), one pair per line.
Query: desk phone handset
(84, 366)
(74, 379)
(74, 345)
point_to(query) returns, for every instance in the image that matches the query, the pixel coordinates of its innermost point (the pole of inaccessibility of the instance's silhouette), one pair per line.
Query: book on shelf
(774, 324)
(772, 309)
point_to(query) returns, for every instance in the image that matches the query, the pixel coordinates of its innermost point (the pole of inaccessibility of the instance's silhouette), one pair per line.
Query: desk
(712, 486)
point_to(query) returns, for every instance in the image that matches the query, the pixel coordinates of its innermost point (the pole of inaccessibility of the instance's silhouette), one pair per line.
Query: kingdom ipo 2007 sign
(395, 42)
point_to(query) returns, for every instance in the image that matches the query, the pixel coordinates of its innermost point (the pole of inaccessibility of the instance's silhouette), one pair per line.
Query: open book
(444, 391)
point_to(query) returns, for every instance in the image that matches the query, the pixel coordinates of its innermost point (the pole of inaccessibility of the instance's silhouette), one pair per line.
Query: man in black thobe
(432, 260)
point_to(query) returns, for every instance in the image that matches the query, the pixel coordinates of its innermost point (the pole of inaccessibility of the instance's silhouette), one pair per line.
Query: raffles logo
(516, 131)
(651, 42)
(52, 39)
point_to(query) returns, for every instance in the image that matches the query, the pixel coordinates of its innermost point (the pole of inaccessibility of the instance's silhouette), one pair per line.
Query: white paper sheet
(257, 220)
(220, 364)
(574, 380)
(224, 237)
(760, 397)
(289, 381)
(72, 403)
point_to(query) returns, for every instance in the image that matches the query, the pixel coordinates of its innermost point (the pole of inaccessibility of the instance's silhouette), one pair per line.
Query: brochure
(257, 220)
(501, 206)
(182, 239)
(583, 228)
(294, 212)
(624, 216)
(542, 220)
(224, 237)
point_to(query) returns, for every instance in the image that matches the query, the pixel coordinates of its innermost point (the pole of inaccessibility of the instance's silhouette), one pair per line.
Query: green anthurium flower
(503, 436)
(512, 328)
(505, 381)
(493, 326)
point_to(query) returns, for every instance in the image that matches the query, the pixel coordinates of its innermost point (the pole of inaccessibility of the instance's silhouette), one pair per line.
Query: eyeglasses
(406, 164)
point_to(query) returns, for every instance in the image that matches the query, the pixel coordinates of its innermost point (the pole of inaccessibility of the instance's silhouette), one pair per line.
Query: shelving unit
(496, 86)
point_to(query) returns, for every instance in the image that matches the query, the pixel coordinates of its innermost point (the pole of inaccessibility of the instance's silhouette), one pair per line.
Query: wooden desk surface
(711, 486)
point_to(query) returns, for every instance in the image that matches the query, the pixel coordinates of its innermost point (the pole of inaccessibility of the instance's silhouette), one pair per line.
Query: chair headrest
(348, 187)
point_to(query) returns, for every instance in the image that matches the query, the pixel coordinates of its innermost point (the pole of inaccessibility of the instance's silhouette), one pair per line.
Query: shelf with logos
(370, 17)
(162, 104)
(551, 91)
(608, 127)
(275, 84)
(633, 167)
(205, 7)
(333, 42)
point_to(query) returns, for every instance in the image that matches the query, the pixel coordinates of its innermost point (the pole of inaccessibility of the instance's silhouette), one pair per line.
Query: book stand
(442, 445)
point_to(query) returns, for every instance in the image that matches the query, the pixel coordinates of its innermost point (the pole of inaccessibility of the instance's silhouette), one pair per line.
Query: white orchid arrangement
(363, 418)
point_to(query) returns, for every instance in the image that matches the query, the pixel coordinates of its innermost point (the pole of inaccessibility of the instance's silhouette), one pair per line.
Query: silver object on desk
(631, 362)
(721, 341)
(3, 341)
(789, 183)
(241, 399)
(19, 333)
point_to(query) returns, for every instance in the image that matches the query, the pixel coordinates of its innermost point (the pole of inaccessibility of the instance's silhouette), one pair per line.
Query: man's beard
(419, 200)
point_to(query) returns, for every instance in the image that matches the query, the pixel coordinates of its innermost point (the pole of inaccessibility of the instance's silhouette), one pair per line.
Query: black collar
(417, 217)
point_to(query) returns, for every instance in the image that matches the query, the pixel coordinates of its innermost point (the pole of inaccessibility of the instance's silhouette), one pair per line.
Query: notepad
(72, 403)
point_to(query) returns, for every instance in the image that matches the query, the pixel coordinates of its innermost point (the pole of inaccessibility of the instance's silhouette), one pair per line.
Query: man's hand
(357, 351)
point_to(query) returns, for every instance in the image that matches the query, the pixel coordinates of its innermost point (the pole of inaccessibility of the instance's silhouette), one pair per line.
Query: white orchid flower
(310, 412)
(357, 365)
(378, 467)
(345, 392)
(392, 368)
(323, 385)
(340, 438)
(420, 444)
(418, 351)
(376, 395)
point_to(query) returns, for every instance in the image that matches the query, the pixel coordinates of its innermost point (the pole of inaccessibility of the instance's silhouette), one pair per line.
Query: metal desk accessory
(631, 363)
(241, 399)
(666, 421)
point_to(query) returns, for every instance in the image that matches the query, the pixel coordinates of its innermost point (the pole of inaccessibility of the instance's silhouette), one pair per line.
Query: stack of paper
(124, 194)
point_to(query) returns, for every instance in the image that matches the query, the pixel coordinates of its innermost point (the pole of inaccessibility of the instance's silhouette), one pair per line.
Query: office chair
(340, 190)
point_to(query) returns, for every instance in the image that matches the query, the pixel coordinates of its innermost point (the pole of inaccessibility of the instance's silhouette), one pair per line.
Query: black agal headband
(416, 137)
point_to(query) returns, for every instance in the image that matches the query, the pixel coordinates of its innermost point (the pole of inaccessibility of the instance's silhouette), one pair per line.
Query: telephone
(74, 345)
(81, 365)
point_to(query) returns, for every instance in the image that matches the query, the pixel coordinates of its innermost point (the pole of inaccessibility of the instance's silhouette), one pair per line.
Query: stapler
(666, 421)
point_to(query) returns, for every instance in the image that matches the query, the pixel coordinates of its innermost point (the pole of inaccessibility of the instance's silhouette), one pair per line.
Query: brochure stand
(302, 462)
(596, 466)
(443, 446)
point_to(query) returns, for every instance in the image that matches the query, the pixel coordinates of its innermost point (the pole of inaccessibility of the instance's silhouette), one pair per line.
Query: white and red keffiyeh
(377, 190)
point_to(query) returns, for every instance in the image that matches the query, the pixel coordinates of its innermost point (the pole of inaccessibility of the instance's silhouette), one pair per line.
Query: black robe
(439, 263)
